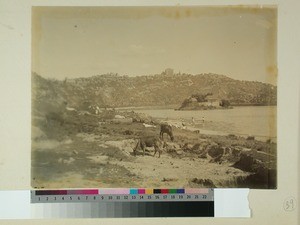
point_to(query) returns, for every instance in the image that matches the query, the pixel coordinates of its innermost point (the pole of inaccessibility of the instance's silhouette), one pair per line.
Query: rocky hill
(112, 90)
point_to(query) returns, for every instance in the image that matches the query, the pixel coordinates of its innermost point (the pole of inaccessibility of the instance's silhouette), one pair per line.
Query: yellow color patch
(149, 191)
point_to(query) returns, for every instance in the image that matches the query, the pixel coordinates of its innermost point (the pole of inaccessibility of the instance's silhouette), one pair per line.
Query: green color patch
(172, 191)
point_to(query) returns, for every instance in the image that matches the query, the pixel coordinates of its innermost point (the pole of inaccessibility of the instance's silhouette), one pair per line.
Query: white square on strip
(231, 202)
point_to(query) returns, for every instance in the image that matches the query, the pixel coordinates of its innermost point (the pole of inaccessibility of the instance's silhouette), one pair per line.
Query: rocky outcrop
(207, 183)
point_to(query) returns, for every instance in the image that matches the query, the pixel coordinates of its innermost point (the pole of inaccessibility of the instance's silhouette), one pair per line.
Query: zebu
(166, 128)
(144, 142)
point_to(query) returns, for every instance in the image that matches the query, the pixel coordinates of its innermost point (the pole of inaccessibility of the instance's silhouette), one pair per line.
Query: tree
(201, 97)
(225, 103)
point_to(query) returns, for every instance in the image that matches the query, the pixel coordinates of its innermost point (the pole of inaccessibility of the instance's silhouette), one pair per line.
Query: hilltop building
(169, 72)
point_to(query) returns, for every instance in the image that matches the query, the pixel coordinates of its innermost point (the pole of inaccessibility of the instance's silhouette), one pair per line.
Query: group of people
(202, 120)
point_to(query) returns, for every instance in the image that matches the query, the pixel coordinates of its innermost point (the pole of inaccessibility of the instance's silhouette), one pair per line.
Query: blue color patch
(133, 191)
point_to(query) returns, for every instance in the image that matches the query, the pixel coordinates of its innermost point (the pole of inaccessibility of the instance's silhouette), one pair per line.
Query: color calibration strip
(119, 191)
(121, 195)
(119, 203)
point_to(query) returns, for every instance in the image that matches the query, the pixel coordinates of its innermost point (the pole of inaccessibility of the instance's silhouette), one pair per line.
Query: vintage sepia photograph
(154, 97)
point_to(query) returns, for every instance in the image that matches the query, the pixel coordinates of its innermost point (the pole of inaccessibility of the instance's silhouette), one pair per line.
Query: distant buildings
(213, 101)
(168, 72)
(201, 101)
(210, 101)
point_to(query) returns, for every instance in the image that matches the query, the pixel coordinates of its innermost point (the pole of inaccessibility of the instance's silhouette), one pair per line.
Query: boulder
(197, 147)
(172, 145)
(203, 155)
(204, 182)
(262, 177)
(119, 117)
(236, 151)
(71, 109)
(227, 151)
(144, 118)
(187, 147)
(201, 147)
(128, 132)
(232, 136)
(215, 151)
(217, 159)
(249, 138)
(246, 163)
(179, 152)
(148, 125)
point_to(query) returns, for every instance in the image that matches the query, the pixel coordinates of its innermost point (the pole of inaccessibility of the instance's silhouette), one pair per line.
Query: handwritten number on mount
(289, 204)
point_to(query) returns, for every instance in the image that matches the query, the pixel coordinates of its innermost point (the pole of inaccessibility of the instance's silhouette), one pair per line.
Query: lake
(259, 121)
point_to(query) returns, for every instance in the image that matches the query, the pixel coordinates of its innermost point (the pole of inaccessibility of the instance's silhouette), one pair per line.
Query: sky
(72, 42)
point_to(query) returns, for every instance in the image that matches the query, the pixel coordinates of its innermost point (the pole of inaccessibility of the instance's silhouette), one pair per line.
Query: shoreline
(216, 133)
(199, 125)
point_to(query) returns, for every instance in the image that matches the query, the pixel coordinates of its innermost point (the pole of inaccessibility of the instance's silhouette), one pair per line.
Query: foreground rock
(263, 174)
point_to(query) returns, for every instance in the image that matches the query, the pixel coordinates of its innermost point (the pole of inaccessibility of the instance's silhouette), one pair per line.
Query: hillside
(111, 90)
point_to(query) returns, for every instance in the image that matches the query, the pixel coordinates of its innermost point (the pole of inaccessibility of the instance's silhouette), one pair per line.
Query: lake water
(259, 121)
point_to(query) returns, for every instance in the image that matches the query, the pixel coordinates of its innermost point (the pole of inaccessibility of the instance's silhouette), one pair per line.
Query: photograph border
(55, 26)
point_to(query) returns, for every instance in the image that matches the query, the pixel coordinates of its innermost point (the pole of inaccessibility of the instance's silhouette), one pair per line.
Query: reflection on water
(259, 121)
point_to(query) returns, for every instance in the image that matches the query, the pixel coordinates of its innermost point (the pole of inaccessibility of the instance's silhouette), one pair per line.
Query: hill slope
(155, 90)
